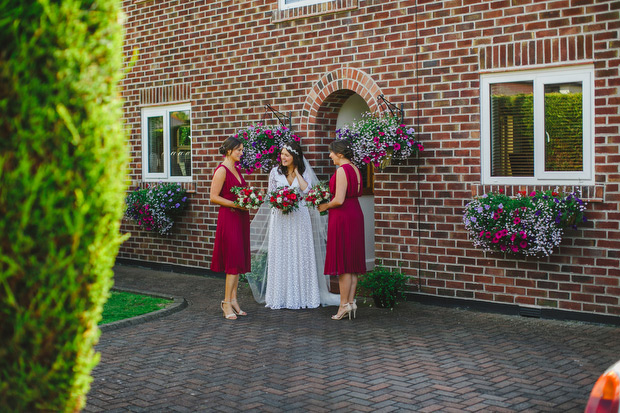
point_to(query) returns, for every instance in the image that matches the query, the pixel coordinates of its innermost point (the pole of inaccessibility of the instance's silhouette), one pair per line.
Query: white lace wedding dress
(292, 280)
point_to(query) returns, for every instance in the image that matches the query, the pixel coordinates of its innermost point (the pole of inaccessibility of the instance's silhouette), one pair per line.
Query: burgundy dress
(231, 253)
(346, 250)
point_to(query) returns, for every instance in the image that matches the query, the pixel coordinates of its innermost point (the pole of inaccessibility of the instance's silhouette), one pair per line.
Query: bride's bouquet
(247, 197)
(285, 199)
(317, 195)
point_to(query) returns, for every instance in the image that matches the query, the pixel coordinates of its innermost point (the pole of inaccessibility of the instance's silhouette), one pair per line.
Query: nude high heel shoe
(239, 311)
(354, 307)
(347, 311)
(231, 316)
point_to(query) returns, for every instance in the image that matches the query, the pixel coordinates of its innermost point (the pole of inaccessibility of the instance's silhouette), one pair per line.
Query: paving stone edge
(178, 304)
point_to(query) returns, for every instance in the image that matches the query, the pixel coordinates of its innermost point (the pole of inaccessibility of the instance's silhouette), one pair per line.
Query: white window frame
(163, 111)
(283, 6)
(582, 73)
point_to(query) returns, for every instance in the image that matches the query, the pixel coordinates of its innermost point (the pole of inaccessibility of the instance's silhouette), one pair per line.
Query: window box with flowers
(528, 225)
(261, 146)
(155, 207)
(378, 139)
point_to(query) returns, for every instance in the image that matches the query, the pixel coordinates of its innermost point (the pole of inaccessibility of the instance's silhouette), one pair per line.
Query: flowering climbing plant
(528, 224)
(261, 146)
(154, 208)
(379, 138)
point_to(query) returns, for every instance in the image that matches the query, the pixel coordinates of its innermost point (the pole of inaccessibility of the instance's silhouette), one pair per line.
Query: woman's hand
(303, 185)
(322, 207)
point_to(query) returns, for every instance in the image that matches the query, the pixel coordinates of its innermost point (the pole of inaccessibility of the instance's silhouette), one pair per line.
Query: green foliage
(122, 305)
(564, 124)
(62, 182)
(384, 284)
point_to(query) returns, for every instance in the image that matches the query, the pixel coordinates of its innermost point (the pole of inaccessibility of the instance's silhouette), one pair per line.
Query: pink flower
(257, 165)
(396, 146)
(517, 220)
(514, 248)
(503, 247)
(376, 139)
(523, 244)
(258, 156)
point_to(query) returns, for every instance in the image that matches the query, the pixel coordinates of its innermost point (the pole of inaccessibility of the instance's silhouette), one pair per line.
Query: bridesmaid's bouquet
(247, 197)
(317, 195)
(285, 199)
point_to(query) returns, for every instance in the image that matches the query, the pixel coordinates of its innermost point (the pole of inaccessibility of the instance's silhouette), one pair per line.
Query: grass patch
(122, 305)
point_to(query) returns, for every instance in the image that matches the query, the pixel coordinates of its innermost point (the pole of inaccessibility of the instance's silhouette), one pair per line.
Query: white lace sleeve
(273, 184)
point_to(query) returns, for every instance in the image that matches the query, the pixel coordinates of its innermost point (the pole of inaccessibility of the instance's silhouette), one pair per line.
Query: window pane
(299, 3)
(512, 129)
(156, 144)
(563, 127)
(180, 144)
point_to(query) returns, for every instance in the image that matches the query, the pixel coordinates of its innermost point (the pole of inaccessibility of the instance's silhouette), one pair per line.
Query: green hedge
(62, 183)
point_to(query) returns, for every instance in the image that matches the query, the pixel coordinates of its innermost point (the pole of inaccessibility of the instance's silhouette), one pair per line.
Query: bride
(288, 250)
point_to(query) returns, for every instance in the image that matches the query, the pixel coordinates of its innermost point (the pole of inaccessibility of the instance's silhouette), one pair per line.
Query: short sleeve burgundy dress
(345, 230)
(231, 253)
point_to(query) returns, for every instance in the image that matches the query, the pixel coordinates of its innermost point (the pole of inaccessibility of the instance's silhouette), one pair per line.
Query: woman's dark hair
(230, 144)
(294, 149)
(342, 147)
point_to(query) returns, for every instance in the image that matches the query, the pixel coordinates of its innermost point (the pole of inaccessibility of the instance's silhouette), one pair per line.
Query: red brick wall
(230, 58)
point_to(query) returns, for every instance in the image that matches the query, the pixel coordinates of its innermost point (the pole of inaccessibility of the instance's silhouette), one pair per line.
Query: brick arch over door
(321, 108)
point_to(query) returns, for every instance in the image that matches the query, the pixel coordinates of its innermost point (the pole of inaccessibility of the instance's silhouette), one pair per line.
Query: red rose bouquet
(247, 197)
(285, 199)
(317, 195)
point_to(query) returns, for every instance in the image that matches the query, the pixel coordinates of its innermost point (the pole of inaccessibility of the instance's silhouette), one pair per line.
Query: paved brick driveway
(416, 358)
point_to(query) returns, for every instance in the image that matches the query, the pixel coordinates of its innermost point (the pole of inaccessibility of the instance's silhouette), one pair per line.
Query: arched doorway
(351, 110)
(336, 98)
(339, 108)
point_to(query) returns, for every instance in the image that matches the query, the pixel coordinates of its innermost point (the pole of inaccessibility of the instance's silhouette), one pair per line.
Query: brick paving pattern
(416, 358)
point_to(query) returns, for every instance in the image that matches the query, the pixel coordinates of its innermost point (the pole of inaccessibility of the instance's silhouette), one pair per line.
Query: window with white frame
(167, 143)
(289, 4)
(537, 127)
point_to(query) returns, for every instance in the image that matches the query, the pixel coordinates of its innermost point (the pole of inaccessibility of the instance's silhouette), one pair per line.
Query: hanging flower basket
(530, 225)
(378, 139)
(155, 207)
(261, 146)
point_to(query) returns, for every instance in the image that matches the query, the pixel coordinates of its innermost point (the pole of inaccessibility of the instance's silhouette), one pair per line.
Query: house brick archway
(322, 105)
(319, 119)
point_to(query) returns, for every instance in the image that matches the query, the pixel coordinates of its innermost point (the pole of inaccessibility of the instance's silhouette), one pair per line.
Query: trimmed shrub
(62, 185)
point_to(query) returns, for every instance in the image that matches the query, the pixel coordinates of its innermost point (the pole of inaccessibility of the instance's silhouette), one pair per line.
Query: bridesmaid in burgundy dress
(346, 254)
(231, 253)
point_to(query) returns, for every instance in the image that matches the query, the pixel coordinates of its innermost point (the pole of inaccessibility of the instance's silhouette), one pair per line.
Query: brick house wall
(230, 58)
